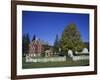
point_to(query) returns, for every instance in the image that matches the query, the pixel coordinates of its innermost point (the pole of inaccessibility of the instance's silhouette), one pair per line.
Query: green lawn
(67, 63)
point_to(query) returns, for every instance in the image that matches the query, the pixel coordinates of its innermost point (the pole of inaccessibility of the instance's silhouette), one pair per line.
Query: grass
(67, 63)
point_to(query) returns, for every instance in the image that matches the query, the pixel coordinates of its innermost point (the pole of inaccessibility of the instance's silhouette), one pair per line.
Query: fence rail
(84, 57)
(45, 59)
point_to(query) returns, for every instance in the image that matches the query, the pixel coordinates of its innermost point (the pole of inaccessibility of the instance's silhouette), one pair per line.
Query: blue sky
(45, 25)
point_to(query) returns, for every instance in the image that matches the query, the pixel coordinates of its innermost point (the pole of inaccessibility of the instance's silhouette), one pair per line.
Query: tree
(87, 45)
(34, 37)
(25, 44)
(71, 39)
(56, 44)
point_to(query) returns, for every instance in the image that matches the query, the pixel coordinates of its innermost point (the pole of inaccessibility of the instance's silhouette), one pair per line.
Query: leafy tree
(71, 39)
(56, 44)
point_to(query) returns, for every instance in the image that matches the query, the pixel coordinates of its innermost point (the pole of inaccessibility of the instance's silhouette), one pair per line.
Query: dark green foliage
(71, 39)
(25, 44)
(42, 54)
(56, 44)
(46, 47)
(86, 45)
(34, 37)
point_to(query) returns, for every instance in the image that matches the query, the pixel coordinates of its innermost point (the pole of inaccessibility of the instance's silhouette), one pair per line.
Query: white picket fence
(82, 57)
(56, 59)
(45, 59)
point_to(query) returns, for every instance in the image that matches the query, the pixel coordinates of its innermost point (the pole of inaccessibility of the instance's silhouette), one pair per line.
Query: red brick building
(36, 48)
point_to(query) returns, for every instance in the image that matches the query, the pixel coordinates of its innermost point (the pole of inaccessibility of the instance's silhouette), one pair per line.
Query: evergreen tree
(56, 44)
(34, 37)
(71, 39)
(25, 44)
